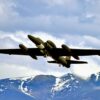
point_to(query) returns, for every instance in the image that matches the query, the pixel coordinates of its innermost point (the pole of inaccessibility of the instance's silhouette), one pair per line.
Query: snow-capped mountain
(46, 87)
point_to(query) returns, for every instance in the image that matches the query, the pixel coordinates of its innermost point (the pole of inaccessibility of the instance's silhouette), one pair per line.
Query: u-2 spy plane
(61, 56)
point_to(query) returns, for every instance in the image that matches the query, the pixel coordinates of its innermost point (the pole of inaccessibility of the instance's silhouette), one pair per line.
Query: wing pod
(50, 44)
(69, 51)
(66, 48)
(35, 40)
(25, 50)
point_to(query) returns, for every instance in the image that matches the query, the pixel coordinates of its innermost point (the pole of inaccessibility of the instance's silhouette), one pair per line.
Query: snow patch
(25, 90)
(1, 90)
(59, 85)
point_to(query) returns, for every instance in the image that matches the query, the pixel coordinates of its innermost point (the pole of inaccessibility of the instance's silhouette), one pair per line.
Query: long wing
(54, 51)
(73, 52)
(30, 51)
(85, 52)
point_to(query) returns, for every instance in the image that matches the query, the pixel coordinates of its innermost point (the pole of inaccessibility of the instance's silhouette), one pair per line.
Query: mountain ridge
(49, 87)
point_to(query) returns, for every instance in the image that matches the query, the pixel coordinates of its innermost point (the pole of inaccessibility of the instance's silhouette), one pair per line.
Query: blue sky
(73, 22)
(54, 16)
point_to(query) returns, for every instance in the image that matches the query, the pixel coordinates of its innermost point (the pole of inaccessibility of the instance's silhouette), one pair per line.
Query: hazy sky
(73, 22)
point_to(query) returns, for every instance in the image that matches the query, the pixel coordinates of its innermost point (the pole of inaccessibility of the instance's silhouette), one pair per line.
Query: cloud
(6, 10)
(75, 23)
(83, 41)
(69, 5)
(22, 63)
(18, 63)
(85, 71)
(12, 71)
(65, 16)
(92, 41)
(87, 18)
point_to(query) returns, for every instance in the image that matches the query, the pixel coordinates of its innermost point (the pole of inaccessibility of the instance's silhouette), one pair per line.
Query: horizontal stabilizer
(70, 61)
(77, 62)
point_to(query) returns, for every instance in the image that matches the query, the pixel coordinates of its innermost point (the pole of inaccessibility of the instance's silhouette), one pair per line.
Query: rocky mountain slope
(46, 87)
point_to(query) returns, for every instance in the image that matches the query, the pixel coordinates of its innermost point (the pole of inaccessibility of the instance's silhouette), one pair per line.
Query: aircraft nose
(34, 39)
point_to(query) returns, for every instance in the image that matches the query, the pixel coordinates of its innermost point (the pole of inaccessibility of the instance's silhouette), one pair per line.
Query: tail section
(70, 62)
